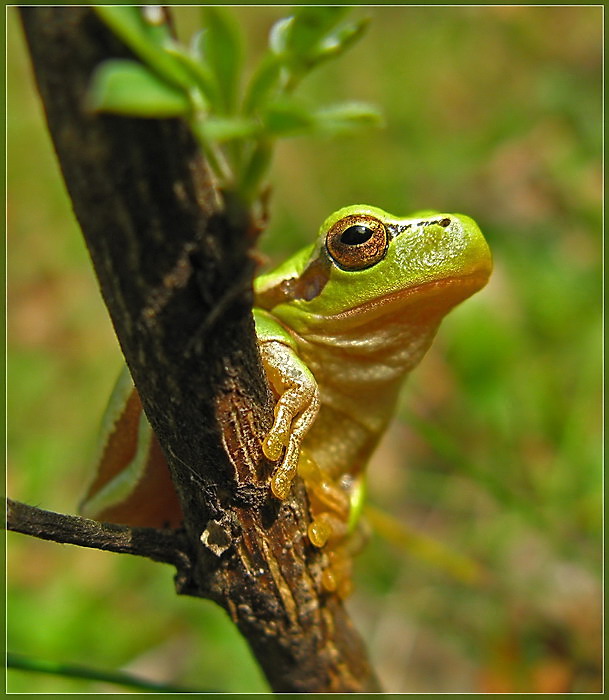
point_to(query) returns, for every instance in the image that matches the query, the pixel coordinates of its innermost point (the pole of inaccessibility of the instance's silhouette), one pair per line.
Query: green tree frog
(339, 326)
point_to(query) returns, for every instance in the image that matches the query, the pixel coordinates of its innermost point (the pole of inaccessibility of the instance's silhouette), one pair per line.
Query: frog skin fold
(339, 325)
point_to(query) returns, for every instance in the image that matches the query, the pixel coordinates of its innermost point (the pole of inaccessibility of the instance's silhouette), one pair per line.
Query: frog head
(368, 266)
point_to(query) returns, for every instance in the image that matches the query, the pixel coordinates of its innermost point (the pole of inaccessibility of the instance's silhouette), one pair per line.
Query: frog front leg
(297, 400)
(295, 411)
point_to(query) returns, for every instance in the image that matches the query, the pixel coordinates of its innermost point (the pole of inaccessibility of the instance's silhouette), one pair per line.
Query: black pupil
(354, 235)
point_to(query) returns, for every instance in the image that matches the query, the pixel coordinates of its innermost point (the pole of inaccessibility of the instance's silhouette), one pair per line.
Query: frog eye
(357, 242)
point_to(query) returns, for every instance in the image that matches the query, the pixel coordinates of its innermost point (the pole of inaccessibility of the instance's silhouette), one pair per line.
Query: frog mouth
(426, 302)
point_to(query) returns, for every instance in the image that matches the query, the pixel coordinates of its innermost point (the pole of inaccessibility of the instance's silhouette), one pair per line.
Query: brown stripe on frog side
(306, 287)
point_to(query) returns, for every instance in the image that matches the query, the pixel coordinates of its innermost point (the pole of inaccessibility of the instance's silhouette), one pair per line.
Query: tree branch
(173, 263)
(166, 546)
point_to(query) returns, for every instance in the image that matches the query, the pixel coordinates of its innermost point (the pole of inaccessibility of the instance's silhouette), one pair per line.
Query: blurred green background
(494, 466)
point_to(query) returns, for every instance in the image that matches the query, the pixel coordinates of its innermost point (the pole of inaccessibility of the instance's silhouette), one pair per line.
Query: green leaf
(309, 37)
(222, 129)
(340, 40)
(310, 27)
(127, 87)
(157, 27)
(196, 44)
(345, 117)
(222, 50)
(130, 23)
(279, 35)
(147, 41)
(287, 118)
(201, 77)
(255, 168)
(263, 84)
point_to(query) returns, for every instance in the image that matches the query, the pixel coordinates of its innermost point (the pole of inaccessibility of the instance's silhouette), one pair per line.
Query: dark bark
(166, 546)
(174, 267)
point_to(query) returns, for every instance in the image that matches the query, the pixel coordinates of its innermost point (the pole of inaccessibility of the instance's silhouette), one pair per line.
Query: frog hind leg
(333, 507)
(132, 485)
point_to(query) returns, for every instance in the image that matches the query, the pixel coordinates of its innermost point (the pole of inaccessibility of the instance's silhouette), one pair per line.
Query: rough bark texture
(175, 272)
(167, 546)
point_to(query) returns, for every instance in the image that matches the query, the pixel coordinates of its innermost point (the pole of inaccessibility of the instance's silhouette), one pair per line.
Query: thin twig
(167, 546)
(29, 664)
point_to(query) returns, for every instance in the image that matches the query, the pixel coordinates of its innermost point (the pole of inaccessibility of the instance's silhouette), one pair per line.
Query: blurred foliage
(236, 123)
(491, 111)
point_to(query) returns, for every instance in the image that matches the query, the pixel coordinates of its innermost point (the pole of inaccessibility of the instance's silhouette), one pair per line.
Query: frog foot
(336, 576)
(295, 412)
